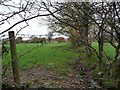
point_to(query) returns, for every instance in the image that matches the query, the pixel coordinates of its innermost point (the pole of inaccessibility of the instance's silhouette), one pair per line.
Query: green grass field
(56, 56)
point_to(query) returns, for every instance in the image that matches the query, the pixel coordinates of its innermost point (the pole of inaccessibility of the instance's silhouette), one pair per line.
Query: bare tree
(70, 18)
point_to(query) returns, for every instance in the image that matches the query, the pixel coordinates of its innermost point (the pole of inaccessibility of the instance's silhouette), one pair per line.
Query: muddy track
(40, 77)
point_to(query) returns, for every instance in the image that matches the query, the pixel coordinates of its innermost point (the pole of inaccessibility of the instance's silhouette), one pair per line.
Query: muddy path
(40, 77)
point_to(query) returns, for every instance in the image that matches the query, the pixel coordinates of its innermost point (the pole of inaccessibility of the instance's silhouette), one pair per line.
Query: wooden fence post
(0, 67)
(15, 65)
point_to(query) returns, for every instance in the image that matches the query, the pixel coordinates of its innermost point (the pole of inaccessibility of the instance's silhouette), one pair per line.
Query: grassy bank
(103, 72)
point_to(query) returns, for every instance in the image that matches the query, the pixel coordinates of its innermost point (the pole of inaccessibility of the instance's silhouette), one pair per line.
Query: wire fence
(12, 40)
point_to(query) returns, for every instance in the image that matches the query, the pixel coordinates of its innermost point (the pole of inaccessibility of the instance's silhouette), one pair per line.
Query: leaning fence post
(15, 68)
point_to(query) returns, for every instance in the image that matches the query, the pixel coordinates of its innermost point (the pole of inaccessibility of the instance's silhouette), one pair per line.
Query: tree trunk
(100, 45)
(86, 29)
(117, 69)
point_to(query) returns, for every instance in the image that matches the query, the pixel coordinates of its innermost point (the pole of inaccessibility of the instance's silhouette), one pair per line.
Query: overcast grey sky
(36, 26)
